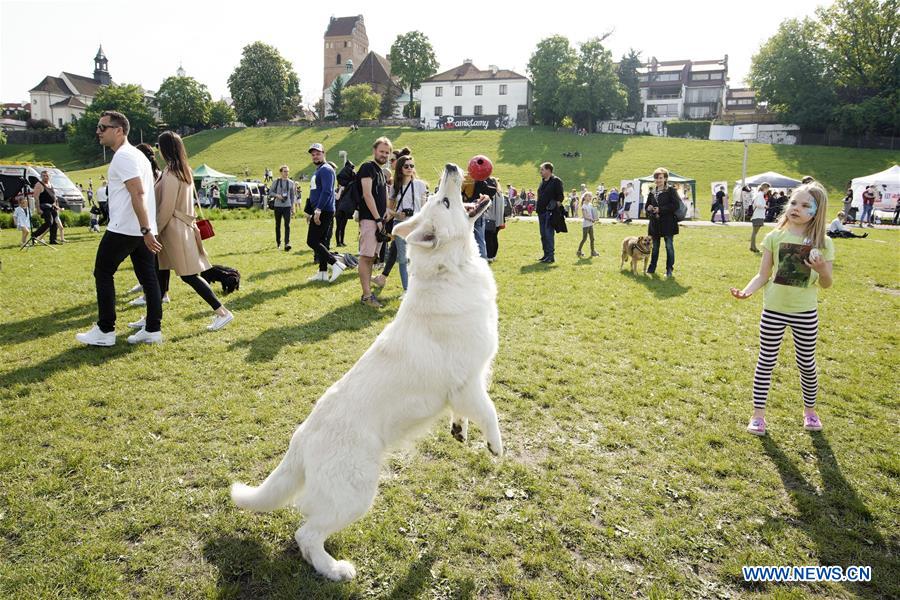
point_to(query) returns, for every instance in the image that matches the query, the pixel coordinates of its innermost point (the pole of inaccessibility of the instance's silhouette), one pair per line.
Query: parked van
(246, 194)
(68, 194)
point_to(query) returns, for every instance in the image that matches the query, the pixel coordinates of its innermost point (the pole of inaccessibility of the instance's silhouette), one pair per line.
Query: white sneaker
(221, 321)
(319, 276)
(336, 270)
(139, 301)
(95, 337)
(139, 324)
(145, 337)
(403, 295)
(165, 299)
(136, 289)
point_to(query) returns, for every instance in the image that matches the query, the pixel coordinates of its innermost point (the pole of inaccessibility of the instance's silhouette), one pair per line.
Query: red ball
(480, 168)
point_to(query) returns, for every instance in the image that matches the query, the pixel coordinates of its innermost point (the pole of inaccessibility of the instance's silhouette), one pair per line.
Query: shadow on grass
(69, 360)
(350, 317)
(537, 267)
(70, 318)
(661, 288)
(247, 571)
(836, 520)
(267, 274)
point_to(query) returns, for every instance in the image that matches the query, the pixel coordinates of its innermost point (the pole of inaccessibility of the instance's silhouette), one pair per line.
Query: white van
(68, 194)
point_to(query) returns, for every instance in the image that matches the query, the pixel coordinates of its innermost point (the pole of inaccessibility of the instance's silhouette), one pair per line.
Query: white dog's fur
(436, 353)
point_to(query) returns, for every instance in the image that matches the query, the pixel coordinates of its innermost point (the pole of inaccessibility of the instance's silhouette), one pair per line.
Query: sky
(145, 42)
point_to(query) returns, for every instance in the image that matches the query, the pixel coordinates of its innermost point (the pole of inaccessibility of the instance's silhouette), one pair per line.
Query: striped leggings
(805, 330)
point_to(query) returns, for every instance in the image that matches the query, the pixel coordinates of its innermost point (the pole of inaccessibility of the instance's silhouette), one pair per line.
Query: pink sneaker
(812, 423)
(757, 426)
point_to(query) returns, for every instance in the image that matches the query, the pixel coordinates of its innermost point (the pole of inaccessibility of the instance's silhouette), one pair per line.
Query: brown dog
(636, 248)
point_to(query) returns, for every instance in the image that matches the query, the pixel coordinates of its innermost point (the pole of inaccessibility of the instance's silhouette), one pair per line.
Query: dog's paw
(458, 429)
(341, 570)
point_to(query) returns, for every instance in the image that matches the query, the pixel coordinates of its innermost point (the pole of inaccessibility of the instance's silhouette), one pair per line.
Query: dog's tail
(280, 487)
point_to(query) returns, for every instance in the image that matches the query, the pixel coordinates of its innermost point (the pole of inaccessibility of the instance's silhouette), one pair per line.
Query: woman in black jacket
(662, 202)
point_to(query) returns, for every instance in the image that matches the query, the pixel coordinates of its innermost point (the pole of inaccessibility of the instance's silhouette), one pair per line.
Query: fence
(849, 141)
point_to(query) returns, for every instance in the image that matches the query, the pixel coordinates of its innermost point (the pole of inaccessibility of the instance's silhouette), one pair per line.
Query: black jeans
(49, 213)
(491, 242)
(113, 249)
(319, 237)
(195, 281)
(283, 212)
(340, 220)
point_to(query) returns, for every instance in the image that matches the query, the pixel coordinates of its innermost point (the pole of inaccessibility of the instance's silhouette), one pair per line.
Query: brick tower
(345, 39)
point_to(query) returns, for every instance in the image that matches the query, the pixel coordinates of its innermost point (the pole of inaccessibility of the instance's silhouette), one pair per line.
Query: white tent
(888, 183)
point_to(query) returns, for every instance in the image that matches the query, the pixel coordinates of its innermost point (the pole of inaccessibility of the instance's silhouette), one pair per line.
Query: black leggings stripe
(805, 331)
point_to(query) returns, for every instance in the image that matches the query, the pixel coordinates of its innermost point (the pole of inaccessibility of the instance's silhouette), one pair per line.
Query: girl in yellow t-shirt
(801, 255)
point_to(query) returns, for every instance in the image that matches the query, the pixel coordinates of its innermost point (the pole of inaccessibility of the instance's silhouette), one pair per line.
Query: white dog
(437, 353)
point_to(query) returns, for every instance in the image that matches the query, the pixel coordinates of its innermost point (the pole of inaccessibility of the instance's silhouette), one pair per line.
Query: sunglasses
(409, 166)
(101, 127)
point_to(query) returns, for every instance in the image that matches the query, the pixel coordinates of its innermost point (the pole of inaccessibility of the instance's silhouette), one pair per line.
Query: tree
(337, 100)
(2, 137)
(412, 110)
(597, 93)
(628, 78)
(128, 99)
(412, 60)
(552, 69)
(388, 105)
(264, 85)
(791, 72)
(221, 114)
(184, 102)
(360, 102)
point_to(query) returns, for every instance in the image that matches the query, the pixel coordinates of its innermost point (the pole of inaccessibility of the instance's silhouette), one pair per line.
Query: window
(478, 89)
(502, 90)
(667, 77)
(699, 76)
(60, 123)
(501, 110)
(438, 111)
(457, 111)
(346, 44)
(457, 90)
(718, 76)
(477, 109)
(439, 91)
(699, 112)
(338, 59)
(643, 78)
(662, 110)
(698, 95)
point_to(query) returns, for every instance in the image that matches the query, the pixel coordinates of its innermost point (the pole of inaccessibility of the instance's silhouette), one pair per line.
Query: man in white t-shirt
(131, 233)
(758, 216)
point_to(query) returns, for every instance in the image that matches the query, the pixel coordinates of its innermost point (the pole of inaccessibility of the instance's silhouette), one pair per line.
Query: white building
(683, 89)
(467, 97)
(63, 99)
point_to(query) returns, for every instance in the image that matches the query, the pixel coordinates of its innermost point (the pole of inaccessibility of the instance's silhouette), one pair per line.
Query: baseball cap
(316, 146)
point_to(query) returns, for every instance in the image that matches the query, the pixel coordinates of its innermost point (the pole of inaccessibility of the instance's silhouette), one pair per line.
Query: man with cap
(321, 201)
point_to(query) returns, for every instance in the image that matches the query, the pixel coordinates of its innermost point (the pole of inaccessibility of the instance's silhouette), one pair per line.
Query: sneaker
(145, 337)
(278, 245)
(668, 274)
(595, 254)
(579, 254)
(319, 276)
(336, 269)
(287, 247)
(812, 423)
(757, 426)
(221, 321)
(95, 337)
(136, 289)
(379, 280)
(139, 324)
(403, 295)
(139, 301)
(372, 301)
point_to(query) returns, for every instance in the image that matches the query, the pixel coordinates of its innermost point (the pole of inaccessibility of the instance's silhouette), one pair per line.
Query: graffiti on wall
(657, 128)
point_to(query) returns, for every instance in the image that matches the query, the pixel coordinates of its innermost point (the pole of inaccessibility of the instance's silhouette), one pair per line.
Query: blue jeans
(670, 254)
(401, 261)
(720, 208)
(547, 232)
(479, 237)
(867, 213)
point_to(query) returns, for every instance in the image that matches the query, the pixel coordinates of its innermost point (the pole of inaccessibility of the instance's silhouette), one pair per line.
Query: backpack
(349, 200)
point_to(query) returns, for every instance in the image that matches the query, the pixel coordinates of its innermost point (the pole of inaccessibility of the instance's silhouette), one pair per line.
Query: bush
(38, 124)
(694, 129)
(73, 219)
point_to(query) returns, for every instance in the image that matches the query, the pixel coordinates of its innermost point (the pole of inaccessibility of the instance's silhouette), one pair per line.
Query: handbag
(204, 225)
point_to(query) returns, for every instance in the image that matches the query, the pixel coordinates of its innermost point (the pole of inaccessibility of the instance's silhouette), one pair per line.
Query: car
(244, 194)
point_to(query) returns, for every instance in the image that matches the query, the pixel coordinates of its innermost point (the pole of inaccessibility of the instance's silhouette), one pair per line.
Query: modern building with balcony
(683, 89)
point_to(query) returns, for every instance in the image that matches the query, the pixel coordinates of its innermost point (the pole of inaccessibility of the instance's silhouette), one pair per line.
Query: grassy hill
(516, 154)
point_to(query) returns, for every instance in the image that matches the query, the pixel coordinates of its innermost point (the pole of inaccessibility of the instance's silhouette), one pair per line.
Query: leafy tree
(388, 105)
(337, 100)
(597, 93)
(2, 137)
(128, 99)
(184, 102)
(264, 85)
(628, 78)
(412, 60)
(360, 102)
(792, 73)
(38, 124)
(221, 114)
(552, 70)
(412, 110)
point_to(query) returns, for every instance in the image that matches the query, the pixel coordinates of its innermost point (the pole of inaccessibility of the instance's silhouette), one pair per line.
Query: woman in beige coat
(182, 248)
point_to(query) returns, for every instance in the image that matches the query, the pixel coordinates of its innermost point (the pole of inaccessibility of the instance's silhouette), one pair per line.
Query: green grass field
(516, 154)
(622, 402)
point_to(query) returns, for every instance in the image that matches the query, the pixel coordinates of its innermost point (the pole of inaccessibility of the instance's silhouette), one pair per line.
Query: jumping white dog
(436, 354)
